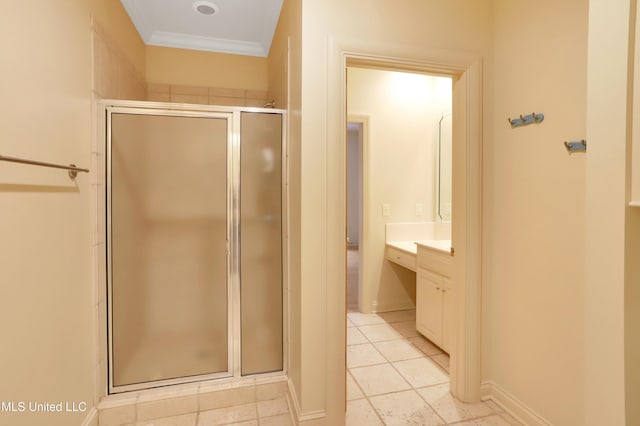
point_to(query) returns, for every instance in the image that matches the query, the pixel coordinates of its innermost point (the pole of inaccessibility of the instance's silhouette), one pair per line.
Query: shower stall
(194, 221)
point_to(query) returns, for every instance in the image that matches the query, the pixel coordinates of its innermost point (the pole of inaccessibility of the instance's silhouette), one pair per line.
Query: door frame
(466, 70)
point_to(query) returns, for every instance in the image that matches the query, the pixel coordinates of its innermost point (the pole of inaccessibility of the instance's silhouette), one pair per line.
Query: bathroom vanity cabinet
(402, 253)
(434, 294)
(425, 248)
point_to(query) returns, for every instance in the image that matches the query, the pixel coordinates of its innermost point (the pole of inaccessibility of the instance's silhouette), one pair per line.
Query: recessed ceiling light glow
(205, 7)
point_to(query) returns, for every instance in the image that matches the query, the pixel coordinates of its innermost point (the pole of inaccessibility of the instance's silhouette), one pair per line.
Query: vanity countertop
(443, 246)
(411, 247)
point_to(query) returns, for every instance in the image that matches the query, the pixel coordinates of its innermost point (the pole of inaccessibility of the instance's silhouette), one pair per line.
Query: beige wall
(123, 36)
(403, 111)
(606, 179)
(118, 53)
(197, 77)
(530, 184)
(115, 76)
(632, 316)
(197, 68)
(422, 25)
(284, 58)
(632, 254)
(47, 295)
(534, 208)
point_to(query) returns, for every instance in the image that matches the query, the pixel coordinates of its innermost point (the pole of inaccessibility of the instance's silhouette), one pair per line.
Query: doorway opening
(402, 183)
(398, 174)
(465, 72)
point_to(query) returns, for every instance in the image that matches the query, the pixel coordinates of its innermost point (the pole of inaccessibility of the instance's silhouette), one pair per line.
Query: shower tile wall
(203, 404)
(205, 95)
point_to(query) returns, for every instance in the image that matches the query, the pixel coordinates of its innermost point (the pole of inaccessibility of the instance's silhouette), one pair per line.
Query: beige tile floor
(263, 413)
(265, 404)
(394, 377)
(397, 377)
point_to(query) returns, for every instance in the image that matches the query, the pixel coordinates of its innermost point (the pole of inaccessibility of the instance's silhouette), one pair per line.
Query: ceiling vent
(205, 8)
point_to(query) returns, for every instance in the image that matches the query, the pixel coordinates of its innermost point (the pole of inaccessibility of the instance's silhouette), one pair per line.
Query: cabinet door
(448, 300)
(429, 306)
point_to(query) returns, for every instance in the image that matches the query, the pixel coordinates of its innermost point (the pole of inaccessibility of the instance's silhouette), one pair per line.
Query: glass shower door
(261, 242)
(169, 200)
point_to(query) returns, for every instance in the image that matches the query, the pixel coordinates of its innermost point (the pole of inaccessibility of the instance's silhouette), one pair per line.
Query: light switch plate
(419, 209)
(386, 210)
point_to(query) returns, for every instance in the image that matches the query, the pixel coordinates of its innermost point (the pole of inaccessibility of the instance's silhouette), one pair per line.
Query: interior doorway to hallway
(465, 71)
(407, 181)
(398, 171)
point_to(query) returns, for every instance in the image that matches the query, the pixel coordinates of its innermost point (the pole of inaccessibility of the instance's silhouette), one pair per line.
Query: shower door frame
(233, 117)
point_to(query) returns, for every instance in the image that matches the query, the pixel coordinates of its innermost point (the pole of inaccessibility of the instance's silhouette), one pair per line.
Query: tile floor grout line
(501, 414)
(411, 387)
(366, 397)
(373, 344)
(429, 405)
(375, 411)
(357, 384)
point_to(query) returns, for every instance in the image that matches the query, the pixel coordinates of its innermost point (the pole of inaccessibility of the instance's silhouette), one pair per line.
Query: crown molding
(209, 44)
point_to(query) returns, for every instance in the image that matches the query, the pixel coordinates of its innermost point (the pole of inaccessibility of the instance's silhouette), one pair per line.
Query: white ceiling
(242, 27)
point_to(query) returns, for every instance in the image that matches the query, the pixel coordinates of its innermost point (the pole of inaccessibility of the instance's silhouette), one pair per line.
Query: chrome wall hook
(526, 119)
(579, 146)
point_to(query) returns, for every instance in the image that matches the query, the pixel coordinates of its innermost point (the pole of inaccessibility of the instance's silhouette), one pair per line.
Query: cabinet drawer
(401, 258)
(435, 261)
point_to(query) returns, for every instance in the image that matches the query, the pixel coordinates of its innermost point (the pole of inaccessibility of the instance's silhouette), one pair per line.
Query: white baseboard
(298, 416)
(91, 419)
(490, 390)
(389, 307)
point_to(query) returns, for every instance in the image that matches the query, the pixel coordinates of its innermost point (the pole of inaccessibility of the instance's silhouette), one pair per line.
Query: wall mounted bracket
(580, 146)
(526, 119)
